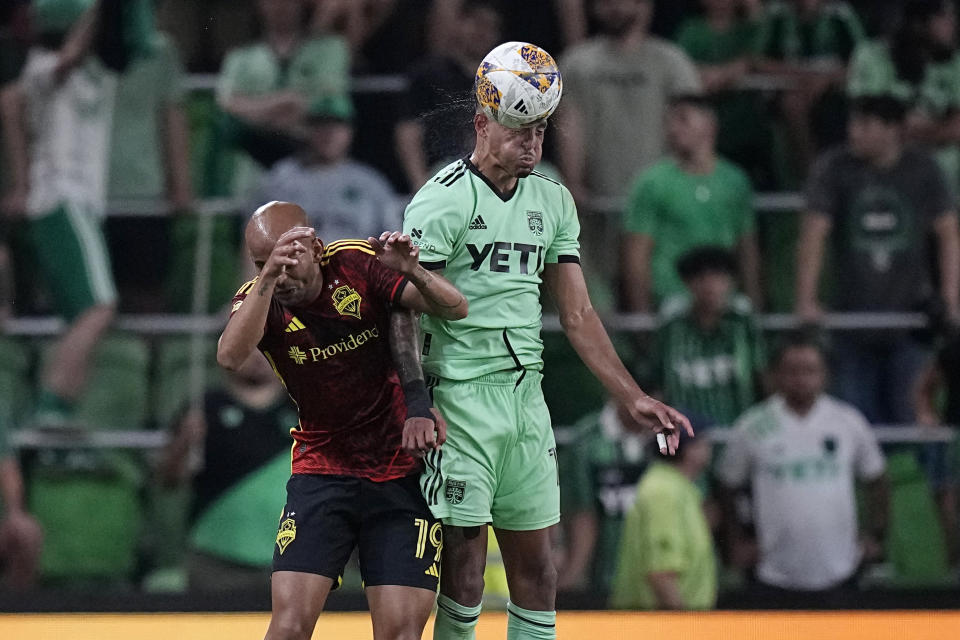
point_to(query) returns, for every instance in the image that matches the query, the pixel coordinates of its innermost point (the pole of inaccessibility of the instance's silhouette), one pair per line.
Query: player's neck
(800, 406)
(499, 177)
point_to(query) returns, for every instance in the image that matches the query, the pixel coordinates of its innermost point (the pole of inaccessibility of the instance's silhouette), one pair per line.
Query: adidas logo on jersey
(477, 223)
(295, 325)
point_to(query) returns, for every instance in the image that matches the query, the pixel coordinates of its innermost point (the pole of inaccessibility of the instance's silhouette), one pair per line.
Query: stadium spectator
(438, 98)
(666, 558)
(809, 42)
(616, 91)
(888, 204)
(601, 468)
(720, 42)
(62, 104)
(708, 352)
(801, 451)
(343, 198)
(149, 163)
(266, 88)
(691, 198)
(21, 537)
(920, 65)
(235, 451)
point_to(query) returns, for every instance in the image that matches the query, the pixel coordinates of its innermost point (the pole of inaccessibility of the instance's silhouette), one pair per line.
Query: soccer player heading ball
(496, 228)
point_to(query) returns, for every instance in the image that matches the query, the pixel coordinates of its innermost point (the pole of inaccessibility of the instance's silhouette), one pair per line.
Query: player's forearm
(442, 299)
(948, 245)
(244, 330)
(590, 340)
(582, 539)
(405, 350)
(809, 261)
(11, 485)
(408, 138)
(14, 136)
(180, 192)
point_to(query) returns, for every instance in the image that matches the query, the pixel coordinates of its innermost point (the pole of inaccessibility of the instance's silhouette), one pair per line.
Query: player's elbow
(230, 358)
(456, 312)
(575, 319)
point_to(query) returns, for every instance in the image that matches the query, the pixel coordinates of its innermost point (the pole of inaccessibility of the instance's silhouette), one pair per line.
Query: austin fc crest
(535, 222)
(454, 491)
(346, 300)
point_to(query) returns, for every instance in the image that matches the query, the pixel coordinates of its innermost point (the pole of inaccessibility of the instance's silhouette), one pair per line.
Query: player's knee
(464, 585)
(538, 576)
(290, 625)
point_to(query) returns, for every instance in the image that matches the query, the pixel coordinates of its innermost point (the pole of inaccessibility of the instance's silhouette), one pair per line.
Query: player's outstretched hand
(662, 419)
(288, 251)
(422, 435)
(396, 250)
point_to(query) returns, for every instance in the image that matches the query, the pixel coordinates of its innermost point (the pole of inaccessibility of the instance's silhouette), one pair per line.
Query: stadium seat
(171, 388)
(88, 500)
(118, 386)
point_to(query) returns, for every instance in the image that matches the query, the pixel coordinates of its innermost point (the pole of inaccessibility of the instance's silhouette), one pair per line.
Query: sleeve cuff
(433, 265)
(398, 288)
(570, 259)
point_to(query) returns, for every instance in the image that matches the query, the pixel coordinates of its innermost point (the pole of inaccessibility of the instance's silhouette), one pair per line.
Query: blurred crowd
(728, 158)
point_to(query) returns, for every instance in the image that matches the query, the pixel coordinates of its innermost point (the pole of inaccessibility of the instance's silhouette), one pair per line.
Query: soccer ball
(517, 84)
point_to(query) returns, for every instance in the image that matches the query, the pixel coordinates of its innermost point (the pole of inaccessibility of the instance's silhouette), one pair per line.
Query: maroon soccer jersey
(333, 357)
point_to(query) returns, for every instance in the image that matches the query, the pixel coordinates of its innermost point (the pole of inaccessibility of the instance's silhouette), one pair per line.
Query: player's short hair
(706, 259)
(803, 338)
(886, 108)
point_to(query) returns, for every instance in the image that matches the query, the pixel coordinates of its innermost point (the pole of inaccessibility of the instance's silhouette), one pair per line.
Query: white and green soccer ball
(518, 84)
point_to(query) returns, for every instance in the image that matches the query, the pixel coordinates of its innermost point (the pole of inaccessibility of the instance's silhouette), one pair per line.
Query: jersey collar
(503, 195)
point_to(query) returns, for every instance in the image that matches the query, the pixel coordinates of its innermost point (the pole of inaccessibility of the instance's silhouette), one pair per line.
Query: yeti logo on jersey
(454, 491)
(286, 534)
(535, 222)
(504, 254)
(347, 301)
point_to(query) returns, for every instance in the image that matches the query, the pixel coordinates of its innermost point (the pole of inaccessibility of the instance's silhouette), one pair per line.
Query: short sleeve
(643, 206)
(868, 460)
(734, 465)
(386, 283)
(37, 78)
(434, 219)
(870, 71)
(566, 244)
(171, 68)
(685, 78)
(228, 83)
(822, 194)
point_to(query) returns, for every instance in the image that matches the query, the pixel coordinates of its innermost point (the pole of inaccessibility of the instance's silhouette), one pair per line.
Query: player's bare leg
(399, 613)
(461, 582)
(532, 579)
(298, 600)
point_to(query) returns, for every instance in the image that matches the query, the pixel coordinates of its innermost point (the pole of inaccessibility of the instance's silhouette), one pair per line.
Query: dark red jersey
(333, 357)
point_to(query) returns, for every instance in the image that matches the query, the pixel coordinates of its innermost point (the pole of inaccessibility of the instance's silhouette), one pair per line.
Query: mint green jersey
(493, 248)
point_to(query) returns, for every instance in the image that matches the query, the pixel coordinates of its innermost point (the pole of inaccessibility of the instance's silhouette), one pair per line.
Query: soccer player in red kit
(322, 318)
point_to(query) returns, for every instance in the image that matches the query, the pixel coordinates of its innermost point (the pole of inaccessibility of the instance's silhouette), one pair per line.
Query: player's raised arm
(245, 328)
(590, 340)
(431, 293)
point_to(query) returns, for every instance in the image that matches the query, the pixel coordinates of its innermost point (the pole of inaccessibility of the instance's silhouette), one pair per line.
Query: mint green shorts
(499, 463)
